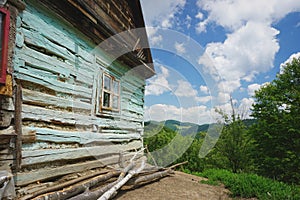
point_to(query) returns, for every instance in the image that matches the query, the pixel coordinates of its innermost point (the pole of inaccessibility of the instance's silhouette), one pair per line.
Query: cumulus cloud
(251, 44)
(289, 60)
(250, 49)
(244, 109)
(203, 99)
(188, 21)
(252, 88)
(185, 89)
(199, 15)
(180, 48)
(233, 14)
(161, 13)
(158, 84)
(246, 52)
(196, 114)
(204, 89)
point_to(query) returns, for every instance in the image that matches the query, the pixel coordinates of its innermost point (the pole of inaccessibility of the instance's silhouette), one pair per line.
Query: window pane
(116, 87)
(106, 83)
(106, 99)
(115, 102)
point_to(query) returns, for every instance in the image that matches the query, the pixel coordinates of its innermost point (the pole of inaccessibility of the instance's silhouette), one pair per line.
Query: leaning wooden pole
(18, 125)
(78, 188)
(108, 194)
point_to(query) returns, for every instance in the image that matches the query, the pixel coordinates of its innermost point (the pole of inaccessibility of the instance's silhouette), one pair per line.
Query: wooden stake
(18, 125)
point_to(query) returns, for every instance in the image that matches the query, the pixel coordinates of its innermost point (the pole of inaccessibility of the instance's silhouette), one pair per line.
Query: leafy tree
(277, 131)
(232, 150)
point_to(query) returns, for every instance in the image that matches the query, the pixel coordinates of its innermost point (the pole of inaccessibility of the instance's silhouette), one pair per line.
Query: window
(110, 98)
(4, 31)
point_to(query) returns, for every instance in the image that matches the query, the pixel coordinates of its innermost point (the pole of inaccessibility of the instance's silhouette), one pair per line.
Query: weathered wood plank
(39, 98)
(6, 117)
(46, 155)
(52, 83)
(6, 103)
(81, 137)
(36, 39)
(41, 174)
(32, 19)
(60, 117)
(18, 125)
(8, 131)
(6, 165)
(53, 64)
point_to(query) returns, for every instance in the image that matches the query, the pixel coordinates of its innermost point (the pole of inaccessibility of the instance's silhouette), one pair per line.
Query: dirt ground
(179, 186)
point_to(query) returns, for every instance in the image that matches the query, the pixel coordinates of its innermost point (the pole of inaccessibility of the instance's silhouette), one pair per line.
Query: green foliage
(191, 155)
(233, 148)
(251, 185)
(210, 182)
(277, 131)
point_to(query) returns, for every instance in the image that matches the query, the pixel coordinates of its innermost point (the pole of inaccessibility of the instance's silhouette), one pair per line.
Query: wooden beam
(41, 174)
(80, 137)
(18, 125)
(18, 4)
(34, 157)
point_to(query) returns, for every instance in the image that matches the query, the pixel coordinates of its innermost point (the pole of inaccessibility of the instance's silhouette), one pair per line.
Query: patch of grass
(210, 182)
(251, 185)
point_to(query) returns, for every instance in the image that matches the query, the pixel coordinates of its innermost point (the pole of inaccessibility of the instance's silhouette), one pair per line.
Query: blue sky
(206, 50)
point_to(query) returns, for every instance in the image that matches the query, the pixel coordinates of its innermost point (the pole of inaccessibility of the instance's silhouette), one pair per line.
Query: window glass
(107, 82)
(115, 102)
(110, 95)
(106, 99)
(116, 87)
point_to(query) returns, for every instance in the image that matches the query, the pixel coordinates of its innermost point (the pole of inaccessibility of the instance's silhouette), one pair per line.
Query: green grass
(251, 185)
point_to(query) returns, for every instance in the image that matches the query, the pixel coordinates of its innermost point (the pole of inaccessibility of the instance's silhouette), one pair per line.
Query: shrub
(251, 185)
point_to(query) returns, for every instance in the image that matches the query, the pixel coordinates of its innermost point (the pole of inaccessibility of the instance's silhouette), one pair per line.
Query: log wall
(60, 78)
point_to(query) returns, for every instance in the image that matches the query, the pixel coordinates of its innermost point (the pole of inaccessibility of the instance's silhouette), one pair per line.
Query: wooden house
(72, 80)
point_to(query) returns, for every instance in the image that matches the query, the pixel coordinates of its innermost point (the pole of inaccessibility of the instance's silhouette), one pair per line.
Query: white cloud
(203, 99)
(246, 52)
(233, 14)
(251, 44)
(188, 21)
(185, 89)
(204, 89)
(199, 15)
(161, 13)
(244, 108)
(180, 48)
(196, 114)
(229, 86)
(201, 26)
(252, 88)
(289, 60)
(158, 84)
(223, 98)
(156, 40)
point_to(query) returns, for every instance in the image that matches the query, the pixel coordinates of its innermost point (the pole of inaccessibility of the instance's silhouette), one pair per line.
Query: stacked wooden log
(101, 184)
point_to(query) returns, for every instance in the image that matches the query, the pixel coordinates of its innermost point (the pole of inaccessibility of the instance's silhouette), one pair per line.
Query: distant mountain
(184, 128)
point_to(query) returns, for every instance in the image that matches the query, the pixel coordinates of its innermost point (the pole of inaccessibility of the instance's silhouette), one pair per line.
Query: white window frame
(110, 92)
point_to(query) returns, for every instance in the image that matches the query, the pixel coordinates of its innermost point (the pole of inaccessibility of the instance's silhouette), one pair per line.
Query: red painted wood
(5, 38)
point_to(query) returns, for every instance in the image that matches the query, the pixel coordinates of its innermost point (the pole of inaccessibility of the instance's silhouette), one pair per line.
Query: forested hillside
(267, 145)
